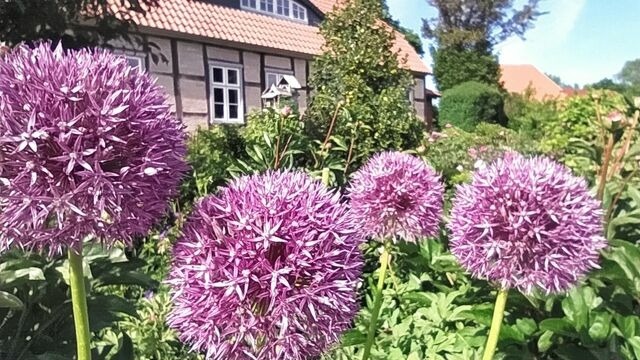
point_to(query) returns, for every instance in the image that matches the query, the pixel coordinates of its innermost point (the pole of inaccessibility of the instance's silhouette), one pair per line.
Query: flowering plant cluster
(527, 223)
(88, 147)
(266, 269)
(397, 195)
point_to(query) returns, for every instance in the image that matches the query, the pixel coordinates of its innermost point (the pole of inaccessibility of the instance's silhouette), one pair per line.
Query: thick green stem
(377, 302)
(326, 173)
(496, 323)
(79, 300)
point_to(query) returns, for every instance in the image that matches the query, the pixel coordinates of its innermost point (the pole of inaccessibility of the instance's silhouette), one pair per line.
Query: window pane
(134, 61)
(218, 95)
(303, 14)
(271, 79)
(233, 96)
(232, 76)
(253, 4)
(233, 111)
(218, 75)
(245, 2)
(218, 111)
(266, 5)
(283, 7)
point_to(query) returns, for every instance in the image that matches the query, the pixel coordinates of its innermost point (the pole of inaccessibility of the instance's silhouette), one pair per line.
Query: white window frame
(256, 5)
(225, 86)
(136, 58)
(278, 73)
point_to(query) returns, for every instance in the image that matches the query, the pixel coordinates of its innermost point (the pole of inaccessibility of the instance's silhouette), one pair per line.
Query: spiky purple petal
(267, 269)
(527, 223)
(397, 194)
(88, 147)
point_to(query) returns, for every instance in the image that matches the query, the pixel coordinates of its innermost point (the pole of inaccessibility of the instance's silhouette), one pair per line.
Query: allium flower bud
(286, 111)
(267, 269)
(88, 147)
(396, 194)
(527, 223)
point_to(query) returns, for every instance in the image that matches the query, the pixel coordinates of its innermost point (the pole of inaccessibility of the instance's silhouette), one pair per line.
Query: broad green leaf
(353, 337)
(600, 326)
(545, 341)
(574, 352)
(10, 301)
(635, 345)
(526, 326)
(126, 349)
(558, 325)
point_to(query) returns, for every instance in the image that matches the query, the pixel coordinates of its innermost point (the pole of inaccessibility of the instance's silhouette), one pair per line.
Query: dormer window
(282, 8)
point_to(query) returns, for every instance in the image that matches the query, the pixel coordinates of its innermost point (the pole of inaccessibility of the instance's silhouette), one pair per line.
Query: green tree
(630, 73)
(412, 37)
(465, 32)
(361, 88)
(65, 21)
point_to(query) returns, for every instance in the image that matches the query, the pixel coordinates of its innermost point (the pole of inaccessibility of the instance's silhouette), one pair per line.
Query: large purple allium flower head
(527, 223)
(267, 269)
(397, 195)
(88, 147)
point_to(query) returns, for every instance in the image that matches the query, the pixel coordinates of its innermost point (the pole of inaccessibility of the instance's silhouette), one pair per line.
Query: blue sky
(582, 41)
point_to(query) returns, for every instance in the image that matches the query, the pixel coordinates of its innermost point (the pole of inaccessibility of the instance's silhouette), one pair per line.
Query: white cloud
(549, 32)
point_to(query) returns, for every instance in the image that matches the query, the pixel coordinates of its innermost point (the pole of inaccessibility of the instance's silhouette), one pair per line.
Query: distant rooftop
(517, 78)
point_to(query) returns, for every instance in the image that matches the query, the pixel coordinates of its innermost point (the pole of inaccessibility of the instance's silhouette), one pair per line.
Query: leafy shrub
(468, 104)
(455, 152)
(578, 118)
(209, 153)
(529, 116)
(360, 86)
(38, 322)
(275, 138)
(453, 66)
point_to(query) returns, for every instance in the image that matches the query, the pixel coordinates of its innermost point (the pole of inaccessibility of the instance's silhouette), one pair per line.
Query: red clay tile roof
(517, 78)
(204, 19)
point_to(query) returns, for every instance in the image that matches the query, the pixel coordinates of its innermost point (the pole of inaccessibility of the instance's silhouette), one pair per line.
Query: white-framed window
(298, 11)
(226, 95)
(274, 76)
(135, 61)
(283, 8)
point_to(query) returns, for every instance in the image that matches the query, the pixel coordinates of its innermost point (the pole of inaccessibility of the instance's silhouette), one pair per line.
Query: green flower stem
(79, 300)
(377, 303)
(326, 173)
(496, 323)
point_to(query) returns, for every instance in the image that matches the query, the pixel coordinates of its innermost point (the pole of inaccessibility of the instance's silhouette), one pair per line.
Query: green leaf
(578, 304)
(126, 349)
(9, 301)
(352, 338)
(545, 341)
(635, 345)
(558, 325)
(627, 256)
(30, 274)
(600, 327)
(526, 326)
(574, 352)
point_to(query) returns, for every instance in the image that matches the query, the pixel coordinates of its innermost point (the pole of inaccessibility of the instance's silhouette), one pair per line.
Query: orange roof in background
(324, 5)
(219, 22)
(517, 78)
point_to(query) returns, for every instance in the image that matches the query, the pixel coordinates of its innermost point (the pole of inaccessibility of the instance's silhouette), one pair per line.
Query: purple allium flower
(88, 147)
(267, 269)
(396, 194)
(526, 223)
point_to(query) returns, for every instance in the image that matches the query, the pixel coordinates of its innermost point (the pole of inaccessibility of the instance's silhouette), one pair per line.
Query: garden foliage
(431, 307)
(360, 89)
(468, 104)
